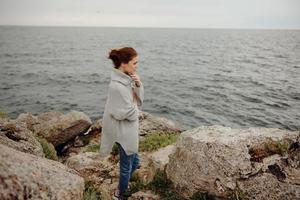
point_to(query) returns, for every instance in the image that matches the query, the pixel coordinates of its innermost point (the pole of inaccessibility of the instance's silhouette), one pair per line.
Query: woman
(121, 114)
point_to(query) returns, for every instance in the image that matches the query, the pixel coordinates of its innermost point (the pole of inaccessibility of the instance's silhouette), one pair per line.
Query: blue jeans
(128, 164)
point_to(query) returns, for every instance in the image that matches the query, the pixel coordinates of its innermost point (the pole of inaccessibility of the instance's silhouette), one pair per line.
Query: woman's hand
(136, 79)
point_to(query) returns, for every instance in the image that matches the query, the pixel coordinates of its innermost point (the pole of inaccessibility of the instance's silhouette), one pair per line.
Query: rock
(26, 176)
(79, 145)
(256, 163)
(15, 134)
(100, 172)
(96, 128)
(78, 142)
(155, 161)
(90, 137)
(144, 195)
(91, 160)
(267, 186)
(58, 128)
(151, 124)
(29, 119)
(160, 157)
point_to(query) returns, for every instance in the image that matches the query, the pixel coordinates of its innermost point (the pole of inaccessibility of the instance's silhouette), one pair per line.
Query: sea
(195, 77)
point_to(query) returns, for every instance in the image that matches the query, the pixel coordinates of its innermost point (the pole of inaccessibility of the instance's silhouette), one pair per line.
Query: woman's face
(131, 66)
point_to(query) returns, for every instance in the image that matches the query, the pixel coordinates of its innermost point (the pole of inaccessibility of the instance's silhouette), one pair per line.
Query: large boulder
(15, 134)
(153, 124)
(58, 128)
(25, 176)
(254, 163)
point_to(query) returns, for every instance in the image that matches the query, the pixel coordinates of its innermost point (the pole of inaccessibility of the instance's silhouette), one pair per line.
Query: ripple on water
(251, 99)
(163, 109)
(277, 105)
(29, 75)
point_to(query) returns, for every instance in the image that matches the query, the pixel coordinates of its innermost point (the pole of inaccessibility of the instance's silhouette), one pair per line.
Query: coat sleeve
(122, 106)
(140, 94)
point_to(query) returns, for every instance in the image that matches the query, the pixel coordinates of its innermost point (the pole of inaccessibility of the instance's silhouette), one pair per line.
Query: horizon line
(149, 27)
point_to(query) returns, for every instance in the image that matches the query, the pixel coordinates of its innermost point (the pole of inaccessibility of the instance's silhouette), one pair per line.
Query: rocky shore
(56, 156)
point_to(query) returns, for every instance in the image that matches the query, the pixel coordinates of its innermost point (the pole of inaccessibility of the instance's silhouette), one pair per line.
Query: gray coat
(120, 119)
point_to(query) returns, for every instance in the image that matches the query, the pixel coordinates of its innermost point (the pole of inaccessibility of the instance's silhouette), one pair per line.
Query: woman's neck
(123, 70)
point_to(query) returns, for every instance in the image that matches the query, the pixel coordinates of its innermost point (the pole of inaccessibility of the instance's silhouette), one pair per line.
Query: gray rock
(15, 134)
(25, 176)
(58, 128)
(151, 124)
(267, 186)
(99, 171)
(29, 119)
(256, 163)
(155, 161)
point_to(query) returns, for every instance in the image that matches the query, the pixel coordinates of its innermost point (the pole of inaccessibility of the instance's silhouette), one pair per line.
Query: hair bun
(113, 54)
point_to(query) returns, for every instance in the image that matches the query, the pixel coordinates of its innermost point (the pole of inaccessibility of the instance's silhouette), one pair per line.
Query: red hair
(123, 55)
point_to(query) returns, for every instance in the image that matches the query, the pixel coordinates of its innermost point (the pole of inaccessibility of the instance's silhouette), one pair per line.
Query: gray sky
(153, 13)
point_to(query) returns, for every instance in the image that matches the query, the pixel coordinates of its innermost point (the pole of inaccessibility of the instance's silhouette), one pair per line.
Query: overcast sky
(153, 13)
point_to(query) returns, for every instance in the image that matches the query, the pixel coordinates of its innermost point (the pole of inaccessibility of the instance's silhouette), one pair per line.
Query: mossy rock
(48, 148)
(268, 148)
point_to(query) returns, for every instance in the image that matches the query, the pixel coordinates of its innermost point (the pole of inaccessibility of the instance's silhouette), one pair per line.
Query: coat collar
(117, 75)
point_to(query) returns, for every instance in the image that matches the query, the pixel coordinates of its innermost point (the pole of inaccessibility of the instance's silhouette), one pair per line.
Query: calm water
(237, 78)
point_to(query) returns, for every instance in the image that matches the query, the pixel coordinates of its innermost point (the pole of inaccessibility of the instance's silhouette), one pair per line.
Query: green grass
(3, 115)
(279, 147)
(202, 196)
(135, 176)
(237, 194)
(85, 139)
(93, 148)
(48, 148)
(115, 150)
(136, 186)
(160, 185)
(155, 141)
(282, 147)
(151, 142)
(163, 186)
(268, 148)
(90, 192)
